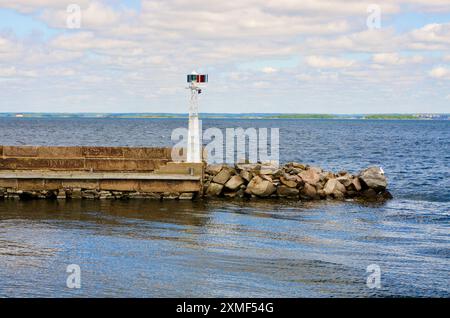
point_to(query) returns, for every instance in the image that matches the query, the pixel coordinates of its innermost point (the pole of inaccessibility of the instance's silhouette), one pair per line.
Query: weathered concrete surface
(82, 164)
(100, 181)
(85, 152)
(83, 158)
(96, 173)
(181, 168)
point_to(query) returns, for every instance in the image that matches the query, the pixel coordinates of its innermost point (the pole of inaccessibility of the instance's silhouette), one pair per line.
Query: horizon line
(228, 113)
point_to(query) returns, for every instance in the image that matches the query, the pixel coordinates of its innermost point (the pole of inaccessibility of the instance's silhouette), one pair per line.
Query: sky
(262, 56)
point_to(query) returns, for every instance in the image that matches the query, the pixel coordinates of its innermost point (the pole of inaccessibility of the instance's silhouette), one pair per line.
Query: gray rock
(269, 171)
(310, 176)
(170, 195)
(290, 183)
(234, 183)
(266, 177)
(246, 175)
(295, 177)
(298, 165)
(326, 175)
(295, 171)
(373, 178)
(249, 167)
(278, 173)
(333, 186)
(321, 194)
(103, 195)
(240, 193)
(356, 185)
(213, 169)
(260, 187)
(214, 189)
(76, 193)
(61, 194)
(154, 196)
(288, 192)
(231, 194)
(370, 194)
(351, 193)
(309, 192)
(186, 196)
(223, 176)
(89, 194)
(316, 169)
(346, 180)
(338, 195)
(138, 195)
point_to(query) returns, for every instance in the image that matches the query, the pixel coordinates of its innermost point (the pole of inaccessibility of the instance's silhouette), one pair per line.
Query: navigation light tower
(194, 146)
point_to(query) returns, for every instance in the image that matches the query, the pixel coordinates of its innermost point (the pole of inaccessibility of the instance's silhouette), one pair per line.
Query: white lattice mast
(194, 133)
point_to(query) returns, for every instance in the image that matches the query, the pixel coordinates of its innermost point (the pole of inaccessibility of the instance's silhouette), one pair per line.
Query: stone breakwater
(41, 172)
(294, 181)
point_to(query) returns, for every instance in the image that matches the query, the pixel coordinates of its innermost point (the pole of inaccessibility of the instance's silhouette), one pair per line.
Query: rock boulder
(309, 192)
(374, 178)
(246, 175)
(260, 187)
(333, 186)
(213, 169)
(287, 192)
(234, 183)
(290, 183)
(310, 176)
(223, 176)
(214, 189)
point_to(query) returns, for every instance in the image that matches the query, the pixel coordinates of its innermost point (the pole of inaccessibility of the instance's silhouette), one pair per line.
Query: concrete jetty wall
(83, 158)
(96, 172)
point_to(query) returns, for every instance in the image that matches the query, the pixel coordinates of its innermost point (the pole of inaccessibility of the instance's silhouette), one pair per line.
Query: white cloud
(331, 7)
(304, 77)
(88, 40)
(118, 50)
(433, 36)
(9, 49)
(396, 59)
(328, 62)
(269, 70)
(11, 71)
(382, 40)
(94, 15)
(440, 72)
(28, 6)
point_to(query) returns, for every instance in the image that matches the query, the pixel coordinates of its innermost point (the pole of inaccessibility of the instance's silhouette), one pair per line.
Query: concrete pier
(96, 172)
(28, 172)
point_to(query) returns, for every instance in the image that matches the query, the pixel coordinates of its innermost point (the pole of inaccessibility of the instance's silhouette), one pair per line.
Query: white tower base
(193, 144)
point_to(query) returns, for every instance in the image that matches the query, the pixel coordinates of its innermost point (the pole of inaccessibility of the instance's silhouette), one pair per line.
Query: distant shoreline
(419, 116)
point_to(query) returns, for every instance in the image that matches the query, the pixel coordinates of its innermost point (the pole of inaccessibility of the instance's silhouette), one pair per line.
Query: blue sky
(261, 56)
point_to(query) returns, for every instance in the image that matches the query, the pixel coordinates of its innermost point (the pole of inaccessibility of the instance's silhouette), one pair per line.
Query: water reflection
(114, 212)
(146, 248)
